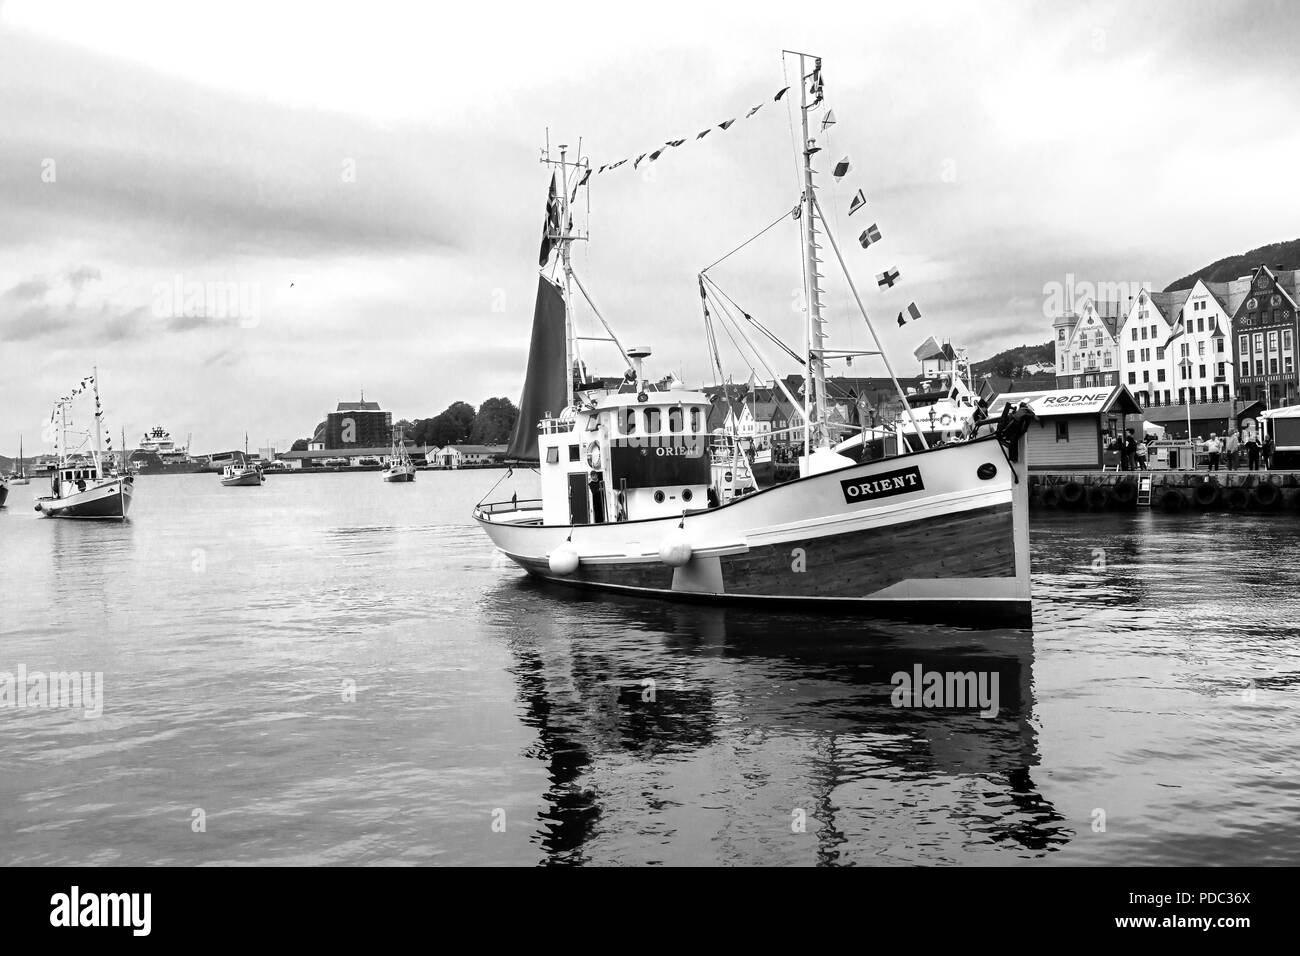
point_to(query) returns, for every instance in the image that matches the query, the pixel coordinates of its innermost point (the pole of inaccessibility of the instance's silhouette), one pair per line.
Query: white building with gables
(1087, 351)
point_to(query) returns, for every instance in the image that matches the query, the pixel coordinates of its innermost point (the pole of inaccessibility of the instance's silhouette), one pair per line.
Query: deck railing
(502, 507)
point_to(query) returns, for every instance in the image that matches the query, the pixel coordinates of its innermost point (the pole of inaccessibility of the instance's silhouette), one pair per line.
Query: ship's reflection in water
(676, 733)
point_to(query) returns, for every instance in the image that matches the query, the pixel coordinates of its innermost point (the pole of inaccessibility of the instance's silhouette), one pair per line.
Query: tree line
(458, 424)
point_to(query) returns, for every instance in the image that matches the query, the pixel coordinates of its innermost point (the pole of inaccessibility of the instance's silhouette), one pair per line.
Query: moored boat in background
(79, 484)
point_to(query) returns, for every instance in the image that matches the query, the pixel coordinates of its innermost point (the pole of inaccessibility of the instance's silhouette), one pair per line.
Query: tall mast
(816, 329)
(98, 415)
(568, 272)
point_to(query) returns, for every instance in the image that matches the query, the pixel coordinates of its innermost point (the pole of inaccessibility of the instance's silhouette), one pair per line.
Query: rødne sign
(1085, 399)
(883, 485)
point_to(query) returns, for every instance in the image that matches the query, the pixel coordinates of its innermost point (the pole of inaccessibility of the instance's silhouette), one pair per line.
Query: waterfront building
(1265, 332)
(468, 456)
(935, 358)
(1073, 426)
(357, 424)
(1087, 353)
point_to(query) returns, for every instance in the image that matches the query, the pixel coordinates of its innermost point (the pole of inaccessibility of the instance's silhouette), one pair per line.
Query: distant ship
(399, 468)
(158, 454)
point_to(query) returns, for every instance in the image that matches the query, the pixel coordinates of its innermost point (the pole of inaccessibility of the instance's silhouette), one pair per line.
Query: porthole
(987, 470)
(687, 494)
(659, 497)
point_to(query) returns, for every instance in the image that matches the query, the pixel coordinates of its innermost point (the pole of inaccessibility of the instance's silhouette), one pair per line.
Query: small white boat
(79, 485)
(241, 473)
(399, 466)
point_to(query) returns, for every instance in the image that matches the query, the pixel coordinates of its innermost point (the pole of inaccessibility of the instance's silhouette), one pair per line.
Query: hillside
(1005, 362)
(1278, 255)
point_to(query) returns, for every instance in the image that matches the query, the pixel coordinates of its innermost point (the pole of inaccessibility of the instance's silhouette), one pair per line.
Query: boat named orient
(80, 486)
(638, 498)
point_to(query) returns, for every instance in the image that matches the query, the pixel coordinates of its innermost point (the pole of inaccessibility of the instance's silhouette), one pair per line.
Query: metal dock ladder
(1144, 491)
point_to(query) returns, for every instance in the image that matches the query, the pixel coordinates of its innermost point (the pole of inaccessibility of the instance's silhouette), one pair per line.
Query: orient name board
(658, 462)
(884, 485)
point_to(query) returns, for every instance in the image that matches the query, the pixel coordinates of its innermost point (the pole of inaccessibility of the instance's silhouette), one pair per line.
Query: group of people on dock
(1236, 446)
(1231, 452)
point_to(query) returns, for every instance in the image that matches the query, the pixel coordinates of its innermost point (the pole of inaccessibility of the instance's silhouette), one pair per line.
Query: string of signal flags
(868, 237)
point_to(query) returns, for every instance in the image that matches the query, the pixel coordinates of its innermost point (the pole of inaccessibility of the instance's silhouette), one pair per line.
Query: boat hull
(4, 493)
(399, 475)
(109, 501)
(948, 544)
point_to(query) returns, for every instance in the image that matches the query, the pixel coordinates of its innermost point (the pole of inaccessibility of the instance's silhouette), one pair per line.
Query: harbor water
(329, 669)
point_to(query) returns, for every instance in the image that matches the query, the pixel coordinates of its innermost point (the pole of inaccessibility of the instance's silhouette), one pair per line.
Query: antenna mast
(565, 238)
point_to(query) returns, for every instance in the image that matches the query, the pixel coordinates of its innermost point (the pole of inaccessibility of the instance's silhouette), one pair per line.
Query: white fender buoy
(675, 550)
(563, 560)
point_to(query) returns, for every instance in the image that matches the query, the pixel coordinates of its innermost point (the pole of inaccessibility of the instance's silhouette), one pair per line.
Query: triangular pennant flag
(869, 235)
(638, 161)
(780, 93)
(887, 278)
(913, 313)
(828, 119)
(601, 170)
(585, 177)
(704, 133)
(841, 168)
(675, 142)
(753, 111)
(726, 125)
(655, 155)
(859, 200)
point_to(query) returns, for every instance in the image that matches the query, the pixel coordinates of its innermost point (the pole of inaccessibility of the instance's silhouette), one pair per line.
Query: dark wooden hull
(105, 503)
(845, 571)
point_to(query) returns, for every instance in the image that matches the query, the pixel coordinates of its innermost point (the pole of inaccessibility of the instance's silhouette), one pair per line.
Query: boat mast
(816, 324)
(98, 416)
(568, 274)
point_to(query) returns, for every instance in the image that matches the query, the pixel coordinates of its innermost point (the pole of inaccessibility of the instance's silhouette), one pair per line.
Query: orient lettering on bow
(883, 485)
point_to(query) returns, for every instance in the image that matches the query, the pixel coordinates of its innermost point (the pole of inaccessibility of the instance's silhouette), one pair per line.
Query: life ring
(1124, 493)
(1097, 496)
(1265, 496)
(81, 484)
(945, 420)
(1072, 493)
(593, 456)
(1172, 501)
(1238, 499)
(1206, 495)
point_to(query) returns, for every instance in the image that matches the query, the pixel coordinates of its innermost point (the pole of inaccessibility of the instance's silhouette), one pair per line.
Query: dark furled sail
(545, 390)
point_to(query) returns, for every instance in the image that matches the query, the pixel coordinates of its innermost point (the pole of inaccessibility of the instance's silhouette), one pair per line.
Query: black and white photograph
(691, 435)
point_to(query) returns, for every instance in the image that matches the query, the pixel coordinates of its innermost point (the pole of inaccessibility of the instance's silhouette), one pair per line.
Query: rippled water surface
(328, 669)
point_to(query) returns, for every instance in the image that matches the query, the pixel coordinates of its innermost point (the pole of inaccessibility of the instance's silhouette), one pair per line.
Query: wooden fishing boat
(79, 484)
(631, 503)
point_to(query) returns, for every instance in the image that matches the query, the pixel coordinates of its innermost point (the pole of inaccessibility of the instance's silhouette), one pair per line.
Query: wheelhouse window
(653, 422)
(695, 419)
(676, 418)
(629, 422)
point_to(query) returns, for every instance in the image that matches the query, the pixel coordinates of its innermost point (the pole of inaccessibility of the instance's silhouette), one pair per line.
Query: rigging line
(872, 329)
(789, 115)
(739, 351)
(784, 215)
(586, 295)
(757, 324)
(776, 378)
(715, 366)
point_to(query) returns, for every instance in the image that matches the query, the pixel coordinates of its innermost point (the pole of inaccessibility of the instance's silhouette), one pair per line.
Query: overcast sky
(368, 175)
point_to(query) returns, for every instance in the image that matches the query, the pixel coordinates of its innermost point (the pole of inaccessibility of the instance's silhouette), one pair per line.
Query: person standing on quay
(1142, 454)
(1252, 451)
(1212, 447)
(1230, 446)
(1268, 452)
(1127, 450)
